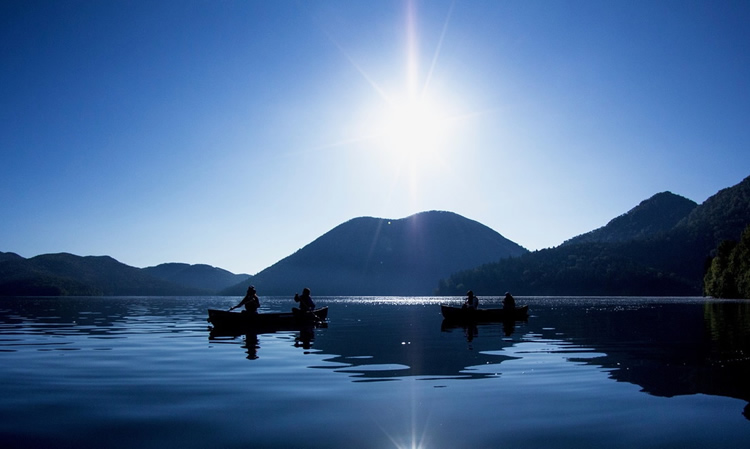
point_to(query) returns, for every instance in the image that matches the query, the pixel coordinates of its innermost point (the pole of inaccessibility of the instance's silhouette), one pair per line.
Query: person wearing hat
(509, 303)
(250, 301)
(305, 301)
(472, 302)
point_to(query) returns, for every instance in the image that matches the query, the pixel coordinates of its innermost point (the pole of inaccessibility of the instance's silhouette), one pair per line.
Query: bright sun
(410, 126)
(412, 130)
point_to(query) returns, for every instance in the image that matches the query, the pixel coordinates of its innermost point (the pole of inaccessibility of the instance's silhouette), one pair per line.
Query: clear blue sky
(233, 133)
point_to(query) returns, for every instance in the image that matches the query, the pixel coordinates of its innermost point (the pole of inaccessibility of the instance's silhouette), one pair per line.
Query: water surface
(384, 373)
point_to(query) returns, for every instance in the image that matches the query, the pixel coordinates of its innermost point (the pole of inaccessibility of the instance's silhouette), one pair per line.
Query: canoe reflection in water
(471, 329)
(229, 326)
(468, 319)
(304, 338)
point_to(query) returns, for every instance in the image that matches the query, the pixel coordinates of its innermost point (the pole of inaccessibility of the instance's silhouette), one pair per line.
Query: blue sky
(234, 133)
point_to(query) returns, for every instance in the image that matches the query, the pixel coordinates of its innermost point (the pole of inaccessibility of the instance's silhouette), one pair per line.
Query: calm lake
(384, 373)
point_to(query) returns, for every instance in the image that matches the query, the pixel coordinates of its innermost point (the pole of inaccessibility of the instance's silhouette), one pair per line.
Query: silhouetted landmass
(376, 256)
(67, 274)
(47, 285)
(728, 275)
(200, 276)
(661, 247)
(651, 218)
(635, 254)
(578, 270)
(9, 256)
(722, 217)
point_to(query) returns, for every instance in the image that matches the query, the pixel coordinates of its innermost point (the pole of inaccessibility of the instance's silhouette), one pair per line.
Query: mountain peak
(649, 219)
(723, 216)
(9, 256)
(379, 256)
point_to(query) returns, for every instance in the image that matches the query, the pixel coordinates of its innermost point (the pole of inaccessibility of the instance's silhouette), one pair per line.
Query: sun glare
(410, 127)
(412, 131)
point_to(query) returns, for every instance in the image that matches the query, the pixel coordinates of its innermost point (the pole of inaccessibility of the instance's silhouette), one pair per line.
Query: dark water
(385, 373)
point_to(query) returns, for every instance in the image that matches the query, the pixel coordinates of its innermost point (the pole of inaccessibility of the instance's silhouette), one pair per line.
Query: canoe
(484, 315)
(226, 319)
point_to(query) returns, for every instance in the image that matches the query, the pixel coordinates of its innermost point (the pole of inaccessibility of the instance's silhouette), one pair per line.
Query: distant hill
(635, 254)
(200, 276)
(67, 274)
(377, 256)
(660, 247)
(9, 256)
(721, 217)
(651, 218)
